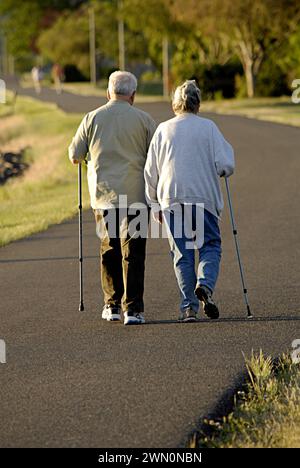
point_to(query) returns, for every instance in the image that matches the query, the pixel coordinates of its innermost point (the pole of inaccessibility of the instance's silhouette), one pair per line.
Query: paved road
(73, 380)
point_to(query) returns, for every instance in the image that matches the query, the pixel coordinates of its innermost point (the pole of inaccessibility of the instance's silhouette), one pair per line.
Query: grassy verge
(47, 192)
(146, 92)
(273, 109)
(265, 415)
(86, 89)
(280, 110)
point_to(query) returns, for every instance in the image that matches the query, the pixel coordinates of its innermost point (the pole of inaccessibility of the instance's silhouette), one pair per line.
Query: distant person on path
(57, 73)
(186, 157)
(36, 75)
(115, 138)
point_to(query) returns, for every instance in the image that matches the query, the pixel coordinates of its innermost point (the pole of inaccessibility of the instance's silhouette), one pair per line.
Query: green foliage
(152, 20)
(47, 193)
(20, 24)
(151, 76)
(288, 58)
(215, 79)
(67, 41)
(206, 39)
(272, 80)
(240, 86)
(266, 413)
(22, 21)
(153, 16)
(250, 29)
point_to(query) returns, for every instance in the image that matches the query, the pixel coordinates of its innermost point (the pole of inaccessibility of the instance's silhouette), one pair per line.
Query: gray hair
(187, 98)
(122, 82)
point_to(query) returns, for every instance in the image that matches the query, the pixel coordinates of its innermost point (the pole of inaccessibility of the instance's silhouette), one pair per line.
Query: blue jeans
(184, 258)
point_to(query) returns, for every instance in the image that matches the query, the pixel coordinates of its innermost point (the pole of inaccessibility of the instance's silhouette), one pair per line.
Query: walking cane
(235, 236)
(81, 305)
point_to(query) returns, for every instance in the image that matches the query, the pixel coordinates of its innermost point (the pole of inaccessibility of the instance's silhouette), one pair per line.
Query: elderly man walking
(186, 157)
(115, 138)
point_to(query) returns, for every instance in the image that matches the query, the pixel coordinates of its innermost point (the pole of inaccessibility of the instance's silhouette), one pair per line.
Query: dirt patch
(11, 165)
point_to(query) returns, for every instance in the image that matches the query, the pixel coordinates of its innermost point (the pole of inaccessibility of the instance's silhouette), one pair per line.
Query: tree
(254, 28)
(67, 41)
(154, 21)
(75, 46)
(22, 21)
(259, 28)
(288, 60)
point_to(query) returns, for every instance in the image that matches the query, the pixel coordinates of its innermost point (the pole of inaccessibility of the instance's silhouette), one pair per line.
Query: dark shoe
(204, 295)
(187, 315)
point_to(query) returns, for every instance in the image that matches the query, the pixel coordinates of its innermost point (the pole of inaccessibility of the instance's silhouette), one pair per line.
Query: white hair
(122, 82)
(187, 98)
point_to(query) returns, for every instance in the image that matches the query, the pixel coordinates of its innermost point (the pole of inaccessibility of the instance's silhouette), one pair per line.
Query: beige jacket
(115, 138)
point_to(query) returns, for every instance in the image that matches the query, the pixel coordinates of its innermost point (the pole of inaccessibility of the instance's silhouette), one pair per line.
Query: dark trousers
(122, 261)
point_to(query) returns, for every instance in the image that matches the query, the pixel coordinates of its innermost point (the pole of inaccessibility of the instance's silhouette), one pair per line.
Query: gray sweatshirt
(186, 157)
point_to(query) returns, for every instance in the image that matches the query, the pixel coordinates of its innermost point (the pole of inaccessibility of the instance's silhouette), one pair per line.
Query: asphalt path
(74, 380)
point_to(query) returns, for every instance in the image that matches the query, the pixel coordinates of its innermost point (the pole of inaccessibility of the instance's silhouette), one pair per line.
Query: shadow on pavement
(226, 319)
(223, 408)
(45, 259)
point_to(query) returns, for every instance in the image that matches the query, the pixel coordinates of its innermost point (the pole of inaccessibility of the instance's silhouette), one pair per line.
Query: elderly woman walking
(187, 156)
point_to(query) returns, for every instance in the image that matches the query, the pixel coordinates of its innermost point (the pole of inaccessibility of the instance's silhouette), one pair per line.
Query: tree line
(233, 48)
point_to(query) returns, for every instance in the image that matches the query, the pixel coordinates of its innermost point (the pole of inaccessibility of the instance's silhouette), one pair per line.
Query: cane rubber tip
(81, 307)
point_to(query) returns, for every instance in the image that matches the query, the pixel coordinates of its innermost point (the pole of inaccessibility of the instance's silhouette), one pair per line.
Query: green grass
(273, 109)
(265, 415)
(280, 110)
(145, 92)
(47, 192)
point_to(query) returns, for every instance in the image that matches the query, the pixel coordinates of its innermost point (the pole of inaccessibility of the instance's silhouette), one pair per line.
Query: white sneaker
(111, 314)
(133, 318)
